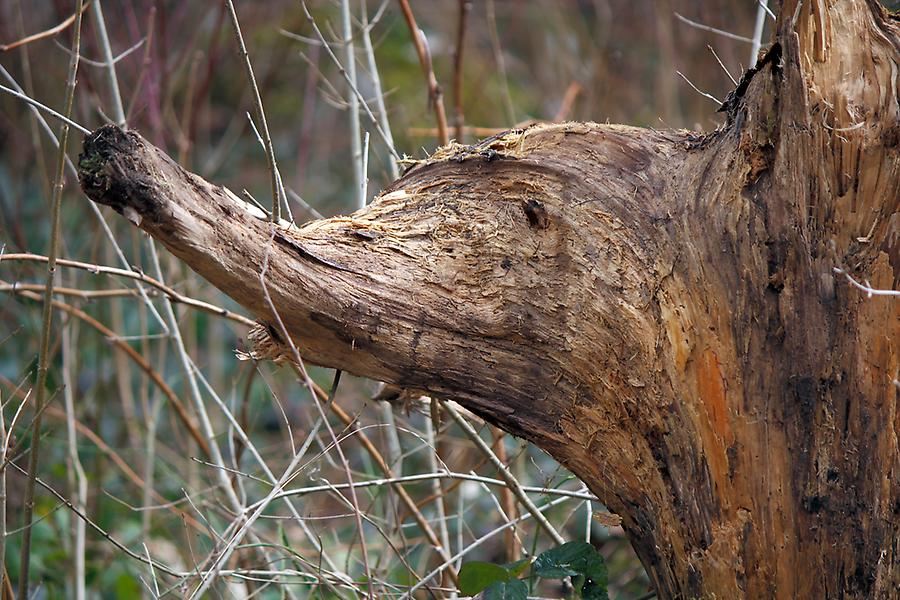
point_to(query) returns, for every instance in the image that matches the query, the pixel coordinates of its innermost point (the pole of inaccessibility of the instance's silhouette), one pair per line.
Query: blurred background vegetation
(183, 87)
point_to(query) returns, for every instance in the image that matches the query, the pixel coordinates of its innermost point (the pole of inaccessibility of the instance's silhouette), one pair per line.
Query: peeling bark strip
(655, 309)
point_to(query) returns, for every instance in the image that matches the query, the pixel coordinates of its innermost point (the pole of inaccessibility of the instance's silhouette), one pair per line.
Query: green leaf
(578, 560)
(570, 559)
(594, 591)
(476, 576)
(514, 589)
(517, 568)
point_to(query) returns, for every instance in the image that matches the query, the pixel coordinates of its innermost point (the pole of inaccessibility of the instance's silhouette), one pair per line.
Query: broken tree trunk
(657, 310)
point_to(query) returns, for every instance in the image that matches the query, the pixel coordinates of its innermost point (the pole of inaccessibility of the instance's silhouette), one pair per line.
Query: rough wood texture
(658, 310)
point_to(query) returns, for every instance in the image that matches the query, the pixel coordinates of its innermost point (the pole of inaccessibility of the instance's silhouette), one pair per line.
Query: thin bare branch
(136, 275)
(56, 29)
(696, 89)
(865, 287)
(544, 491)
(79, 482)
(376, 84)
(47, 317)
(109, 63)
(356, 155)
(505, 474)
(435, 94)
(277, 193)
(721, 64)
(65, 119)
(722, 32)
(758, 28)
(385, 136)
(465, 6)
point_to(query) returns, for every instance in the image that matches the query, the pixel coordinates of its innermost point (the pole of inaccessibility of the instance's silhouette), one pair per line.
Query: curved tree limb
(655, 309)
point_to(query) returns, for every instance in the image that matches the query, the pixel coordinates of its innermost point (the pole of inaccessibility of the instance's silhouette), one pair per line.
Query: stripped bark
(657, 310)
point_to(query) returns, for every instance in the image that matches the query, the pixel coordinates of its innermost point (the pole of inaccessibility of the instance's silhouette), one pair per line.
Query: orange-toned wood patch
(711, 386)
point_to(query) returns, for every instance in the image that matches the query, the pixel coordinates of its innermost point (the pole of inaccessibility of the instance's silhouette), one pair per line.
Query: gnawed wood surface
(657, 310)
